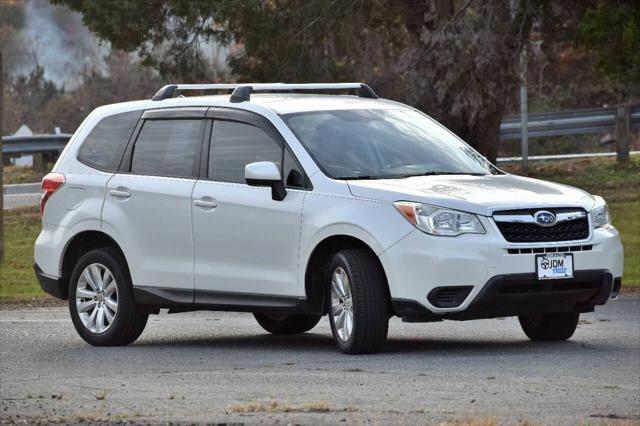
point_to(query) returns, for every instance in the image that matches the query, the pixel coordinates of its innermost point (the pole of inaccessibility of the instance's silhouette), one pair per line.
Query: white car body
(194, 243)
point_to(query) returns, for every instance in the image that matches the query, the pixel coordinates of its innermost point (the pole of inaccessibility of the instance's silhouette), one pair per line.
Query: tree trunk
(1, 163)
(485, 135)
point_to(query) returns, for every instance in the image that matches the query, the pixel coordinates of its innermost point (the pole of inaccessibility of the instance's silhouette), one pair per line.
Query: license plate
(554, 266)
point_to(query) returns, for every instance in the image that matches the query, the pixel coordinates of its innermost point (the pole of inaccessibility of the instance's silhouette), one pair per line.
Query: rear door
(246, 244)
(148, 202)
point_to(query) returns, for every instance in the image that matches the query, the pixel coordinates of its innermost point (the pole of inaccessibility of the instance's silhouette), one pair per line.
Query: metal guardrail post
(623, 131)
(524, 119)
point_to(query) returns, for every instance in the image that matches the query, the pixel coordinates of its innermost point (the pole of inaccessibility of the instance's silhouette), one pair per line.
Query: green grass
(626, 217)
(17, 279)
(620, 185)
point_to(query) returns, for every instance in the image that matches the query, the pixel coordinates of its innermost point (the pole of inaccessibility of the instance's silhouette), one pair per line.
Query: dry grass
(280, 407)
(472, 421)
(20, 174)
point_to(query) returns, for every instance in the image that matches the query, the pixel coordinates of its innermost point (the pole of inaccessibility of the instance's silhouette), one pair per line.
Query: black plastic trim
(278, 190)
(522, 294)
(457, 296)
(182, 300)
(367, 92)
(241, 94)
(617, 286)
(50, 285)
(175, 113)
(165, 92)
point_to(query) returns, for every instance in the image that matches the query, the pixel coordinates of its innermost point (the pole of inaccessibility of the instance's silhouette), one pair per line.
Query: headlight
(600, 214)
(440, 221)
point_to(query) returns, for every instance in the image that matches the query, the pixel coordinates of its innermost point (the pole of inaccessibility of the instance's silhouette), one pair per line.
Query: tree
(612, 29)
(456, 60)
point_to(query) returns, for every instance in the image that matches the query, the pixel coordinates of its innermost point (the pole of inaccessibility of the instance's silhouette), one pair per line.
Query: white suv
(292, 206)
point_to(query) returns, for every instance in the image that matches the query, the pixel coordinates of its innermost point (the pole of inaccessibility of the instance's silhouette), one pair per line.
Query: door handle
(120, 193)
(205, 203)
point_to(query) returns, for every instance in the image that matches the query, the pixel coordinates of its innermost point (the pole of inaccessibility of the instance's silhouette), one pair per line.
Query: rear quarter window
(103, 148)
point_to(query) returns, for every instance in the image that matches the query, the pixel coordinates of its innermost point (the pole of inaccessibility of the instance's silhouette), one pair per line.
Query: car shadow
(311, 342)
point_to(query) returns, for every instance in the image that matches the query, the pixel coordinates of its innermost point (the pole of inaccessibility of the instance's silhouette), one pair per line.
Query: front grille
(518, 232)
(535, 250)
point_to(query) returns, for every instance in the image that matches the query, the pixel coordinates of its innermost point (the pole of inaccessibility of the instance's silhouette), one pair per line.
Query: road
(21, 195)
(217, 367)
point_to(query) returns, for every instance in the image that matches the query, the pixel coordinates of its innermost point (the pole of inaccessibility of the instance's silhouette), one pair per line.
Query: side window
(104, 146)
(234, 145)
(167, 148)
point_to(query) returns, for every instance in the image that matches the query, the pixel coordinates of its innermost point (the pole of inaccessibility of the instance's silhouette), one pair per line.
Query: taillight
(50, 184)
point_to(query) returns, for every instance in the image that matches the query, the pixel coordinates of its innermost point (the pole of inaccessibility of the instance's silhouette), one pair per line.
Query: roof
(292, 103)
(281, 103)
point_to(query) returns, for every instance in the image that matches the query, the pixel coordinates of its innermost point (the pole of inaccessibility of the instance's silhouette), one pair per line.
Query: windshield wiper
(445, 173)
(362, 177)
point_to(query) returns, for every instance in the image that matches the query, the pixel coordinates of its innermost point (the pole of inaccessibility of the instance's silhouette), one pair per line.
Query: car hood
(476, 194)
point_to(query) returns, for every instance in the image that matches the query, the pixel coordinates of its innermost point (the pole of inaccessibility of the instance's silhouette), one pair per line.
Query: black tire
(551, 327)
(370, 302)
(287, 323)
(128, 322)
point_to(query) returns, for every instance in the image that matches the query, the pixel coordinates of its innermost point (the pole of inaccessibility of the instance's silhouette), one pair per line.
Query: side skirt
(186, 300)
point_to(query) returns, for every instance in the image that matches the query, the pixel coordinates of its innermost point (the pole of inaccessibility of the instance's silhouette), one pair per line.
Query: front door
(246, 244)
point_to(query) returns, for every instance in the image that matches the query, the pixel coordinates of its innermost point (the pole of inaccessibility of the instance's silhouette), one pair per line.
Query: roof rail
(242, 92)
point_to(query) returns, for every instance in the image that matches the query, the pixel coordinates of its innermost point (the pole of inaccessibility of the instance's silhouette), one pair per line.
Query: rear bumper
(523, 294)
(50, 284)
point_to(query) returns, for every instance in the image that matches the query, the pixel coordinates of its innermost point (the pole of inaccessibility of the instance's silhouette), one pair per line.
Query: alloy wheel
(97, 298)
(341, 304)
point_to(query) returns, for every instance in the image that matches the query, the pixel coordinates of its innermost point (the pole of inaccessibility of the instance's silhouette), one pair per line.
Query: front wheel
(101, 300)
(550, 327)
(359, 306)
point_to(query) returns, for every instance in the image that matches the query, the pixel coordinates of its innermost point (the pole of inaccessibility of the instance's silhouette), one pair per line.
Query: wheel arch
(316, 278)
(78, 245)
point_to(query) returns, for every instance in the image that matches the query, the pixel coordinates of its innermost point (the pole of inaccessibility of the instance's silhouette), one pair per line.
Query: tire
(551, 327)
(287, 323)
(368, 307)
(127, 322)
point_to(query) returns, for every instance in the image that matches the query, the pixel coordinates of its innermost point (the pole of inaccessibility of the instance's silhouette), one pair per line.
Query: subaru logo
(544, 218)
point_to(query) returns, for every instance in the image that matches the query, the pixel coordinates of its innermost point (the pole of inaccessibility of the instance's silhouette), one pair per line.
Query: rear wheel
(287, 323)
(359, 306)
(550, 327)
(101, 300)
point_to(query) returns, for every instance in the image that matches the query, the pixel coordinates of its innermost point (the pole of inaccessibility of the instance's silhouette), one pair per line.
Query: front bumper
(523, 294)
(420, 263)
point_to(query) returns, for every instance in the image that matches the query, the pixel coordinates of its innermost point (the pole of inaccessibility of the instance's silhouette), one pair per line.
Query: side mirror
(266, 173)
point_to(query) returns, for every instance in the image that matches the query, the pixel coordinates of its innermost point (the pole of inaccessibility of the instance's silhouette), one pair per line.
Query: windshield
(383, 143)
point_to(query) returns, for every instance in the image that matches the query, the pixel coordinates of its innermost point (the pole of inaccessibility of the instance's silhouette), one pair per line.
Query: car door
(148, 202)
(246, 244)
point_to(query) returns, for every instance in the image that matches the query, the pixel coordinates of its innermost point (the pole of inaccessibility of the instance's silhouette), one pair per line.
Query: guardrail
(17, 145)
(574, 122)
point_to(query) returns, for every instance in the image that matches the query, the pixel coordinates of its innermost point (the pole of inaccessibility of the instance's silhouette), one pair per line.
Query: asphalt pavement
(213, 367)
